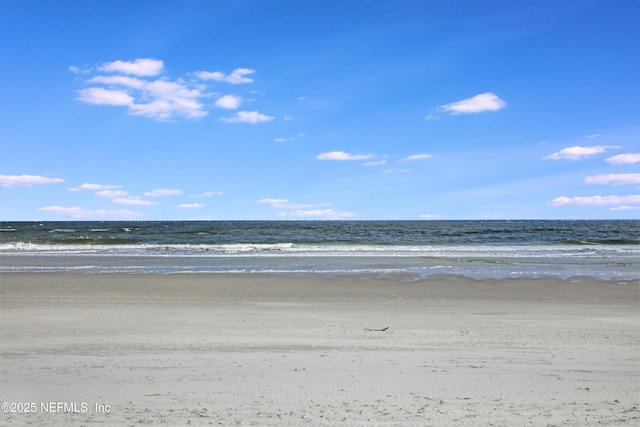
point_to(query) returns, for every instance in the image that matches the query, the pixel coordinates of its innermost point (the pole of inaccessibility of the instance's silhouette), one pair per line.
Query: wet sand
(259, 349)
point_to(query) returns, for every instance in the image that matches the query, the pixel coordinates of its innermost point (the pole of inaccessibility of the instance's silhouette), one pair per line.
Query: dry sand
(216, 349)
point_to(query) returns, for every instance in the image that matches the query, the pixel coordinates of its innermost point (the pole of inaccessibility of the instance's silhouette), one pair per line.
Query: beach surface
(317, 349)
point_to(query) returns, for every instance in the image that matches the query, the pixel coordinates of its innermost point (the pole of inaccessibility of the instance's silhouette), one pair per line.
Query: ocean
(607, 249)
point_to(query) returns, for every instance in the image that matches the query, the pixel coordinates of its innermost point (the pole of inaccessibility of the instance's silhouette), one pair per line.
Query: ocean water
(478, 249)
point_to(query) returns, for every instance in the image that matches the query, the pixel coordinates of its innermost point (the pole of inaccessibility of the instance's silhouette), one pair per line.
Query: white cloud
(111, 194)
(169, 99)
(624, 159)
(394, 171)
(269, 201)
(78, 70)
(102, 96)
(318, 213)
(27, 180)
(138, 67)
(208, 194)
(285, 204)
(418, 156)
(252, 117)
(93, 187)
(375, 163)
(477, 104)
(134, 201)
(431, 117)
(342, 156)
(614, 179)
(596, 200)
(289, 139)
(430, 216)
(79, 213)
(189, 206)
(156, 98)
(593, 135)
(624, 208)
(163, 192)
(237, 76)
(577, 152)
(229, 102)
(126, 81)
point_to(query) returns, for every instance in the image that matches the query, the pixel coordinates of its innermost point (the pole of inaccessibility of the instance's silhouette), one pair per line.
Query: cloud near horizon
(83, 214)
(27, 180)
(487, 101)
(285, 204)
(301, 210)
(318, 213)
(596, 200)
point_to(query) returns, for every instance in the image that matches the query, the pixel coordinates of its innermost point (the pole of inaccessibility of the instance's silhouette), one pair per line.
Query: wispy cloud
(614, 179)
(138, 67)
(596, 200)
(93, 187)
(375, 163)
(487, 101)
(318, 213)
(189, 205)
(77, 70)
(285, 204)
(112, 194)
(208, 194)
(228, 102)
(163, 192)
(134, 201)
(624, 159)
(290, 139)
(624, 208)
(421, 156)
(395, 171)
(342, 156)
(273, 202)
(237, 76)
(577, 152)
(252, 117)
(430, 216)
(83, 214)
(27, 180)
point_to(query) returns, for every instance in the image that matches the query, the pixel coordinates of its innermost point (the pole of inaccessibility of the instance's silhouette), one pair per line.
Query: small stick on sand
(377, 330)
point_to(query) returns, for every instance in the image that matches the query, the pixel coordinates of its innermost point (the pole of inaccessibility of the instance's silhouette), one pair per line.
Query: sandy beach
(260, 349)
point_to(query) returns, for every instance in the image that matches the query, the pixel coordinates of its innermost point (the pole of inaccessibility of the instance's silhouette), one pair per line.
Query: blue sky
(357, 109)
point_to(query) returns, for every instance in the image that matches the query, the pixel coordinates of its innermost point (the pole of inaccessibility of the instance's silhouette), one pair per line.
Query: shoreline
(319, 349)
